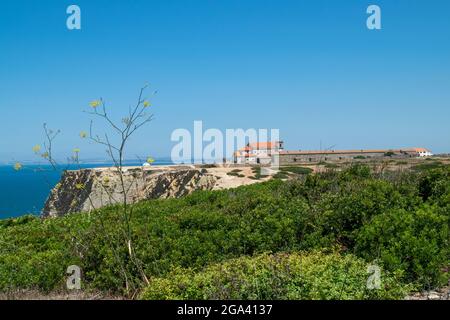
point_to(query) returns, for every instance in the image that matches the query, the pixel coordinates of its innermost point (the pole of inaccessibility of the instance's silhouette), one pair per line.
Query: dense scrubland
(310, 237)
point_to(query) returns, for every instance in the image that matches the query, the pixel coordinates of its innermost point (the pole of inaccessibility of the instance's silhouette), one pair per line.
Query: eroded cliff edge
(88, 189)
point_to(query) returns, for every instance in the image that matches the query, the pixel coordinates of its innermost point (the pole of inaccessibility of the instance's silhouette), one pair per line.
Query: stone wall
(293, 158)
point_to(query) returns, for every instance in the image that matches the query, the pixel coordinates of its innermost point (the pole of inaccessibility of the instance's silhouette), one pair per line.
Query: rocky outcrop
(88, 189)
(438, 294)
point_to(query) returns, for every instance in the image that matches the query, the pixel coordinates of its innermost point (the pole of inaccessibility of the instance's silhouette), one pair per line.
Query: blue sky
(310, 68)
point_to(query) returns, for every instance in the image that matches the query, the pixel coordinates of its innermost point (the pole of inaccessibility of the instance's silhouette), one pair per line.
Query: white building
(422, 152)
(257, 152)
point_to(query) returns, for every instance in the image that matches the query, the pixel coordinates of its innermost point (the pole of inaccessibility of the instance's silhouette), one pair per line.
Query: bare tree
(137, 117)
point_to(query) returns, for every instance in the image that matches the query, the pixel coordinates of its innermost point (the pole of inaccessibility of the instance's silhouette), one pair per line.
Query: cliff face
(84, 190)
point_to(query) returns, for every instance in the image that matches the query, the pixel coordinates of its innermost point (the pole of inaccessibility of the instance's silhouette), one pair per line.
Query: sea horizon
(25, 191)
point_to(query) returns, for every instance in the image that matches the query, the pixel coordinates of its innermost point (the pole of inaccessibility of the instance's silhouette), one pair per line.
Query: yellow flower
(17, 166)
(45, 155)
(79, 186)
(150, 160)
(146, 104)
(83, 134)
(36, 148)
(76, 150)
(94, 104)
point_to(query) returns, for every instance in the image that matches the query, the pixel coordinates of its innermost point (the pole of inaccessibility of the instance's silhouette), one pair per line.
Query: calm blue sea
(25, 191)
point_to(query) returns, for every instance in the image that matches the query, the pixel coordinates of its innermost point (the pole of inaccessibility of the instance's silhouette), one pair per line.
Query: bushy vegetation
(296, 170)
(400, 221)
(429, 165)
(236, 173)
(256, 170)
(286, 172)
(331, 165)
(415, 242)
(280, 276)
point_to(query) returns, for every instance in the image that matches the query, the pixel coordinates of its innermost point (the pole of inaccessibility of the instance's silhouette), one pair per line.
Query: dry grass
(63, 295)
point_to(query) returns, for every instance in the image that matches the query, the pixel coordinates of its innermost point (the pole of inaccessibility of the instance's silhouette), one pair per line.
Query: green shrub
(17, 221)
(280, 175)
(208, 165)
(257, 173)
(347, 210)
(235, 174)
(356, 171)
(34, 254)
(415, 242)
(426, 166)
(434, 183)
(400, 219)
(296, 170)
(279, 276)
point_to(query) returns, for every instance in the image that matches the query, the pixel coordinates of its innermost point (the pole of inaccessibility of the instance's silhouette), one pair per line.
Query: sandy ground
(221, 172)
(438, 294)
(225, 180)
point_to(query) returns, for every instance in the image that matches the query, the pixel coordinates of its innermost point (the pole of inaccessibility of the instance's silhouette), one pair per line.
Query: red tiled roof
(263, 145)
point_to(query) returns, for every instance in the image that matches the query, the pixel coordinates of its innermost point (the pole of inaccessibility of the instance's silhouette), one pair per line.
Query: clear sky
(310, 68)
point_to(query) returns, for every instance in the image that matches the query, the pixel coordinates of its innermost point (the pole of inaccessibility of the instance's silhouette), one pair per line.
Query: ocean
(25, 191)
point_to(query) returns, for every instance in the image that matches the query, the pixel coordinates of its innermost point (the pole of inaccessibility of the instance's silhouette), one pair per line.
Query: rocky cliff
(88, 189)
